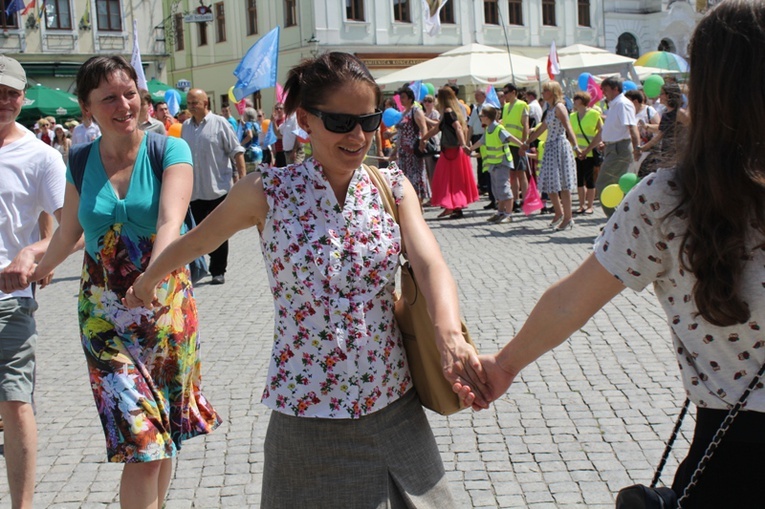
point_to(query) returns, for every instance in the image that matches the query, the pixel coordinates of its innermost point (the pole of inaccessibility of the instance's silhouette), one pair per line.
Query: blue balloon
(583, 79)
(629, 85)
(391, 117)
(256, 154)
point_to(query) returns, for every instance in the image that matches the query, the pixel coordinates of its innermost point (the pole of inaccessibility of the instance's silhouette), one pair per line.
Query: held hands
(461, 367)
(20, 273)
(141, 293)
(497, 381)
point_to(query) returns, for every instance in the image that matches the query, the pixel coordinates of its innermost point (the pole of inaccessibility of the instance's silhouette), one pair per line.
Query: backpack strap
(78, 159)
(155, 146)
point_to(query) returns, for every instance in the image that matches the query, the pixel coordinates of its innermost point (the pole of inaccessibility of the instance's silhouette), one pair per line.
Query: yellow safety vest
(589, 124)
(541, 147)
(494, 151)
(511, 118)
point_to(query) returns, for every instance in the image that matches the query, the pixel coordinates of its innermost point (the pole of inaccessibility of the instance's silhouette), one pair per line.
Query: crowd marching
(123, 183)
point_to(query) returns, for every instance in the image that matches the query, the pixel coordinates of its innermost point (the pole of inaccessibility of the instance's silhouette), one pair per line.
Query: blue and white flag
(418, 89)
(270, 137)
(14, 7)
(135, 59)
(257, 70)
(492, 99)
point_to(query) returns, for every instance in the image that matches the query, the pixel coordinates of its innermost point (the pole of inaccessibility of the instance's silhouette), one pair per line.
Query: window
(179, 43)
(491, 12)
(57, 15)
(583, 8)
(109, 15)
(290, 13)
(447, 13)
(202, 34)
(548, 13)
(627, 46)
(401, 11)
(220, 23)
(252, 17)
(11, 21)
(515, 12)
(354, 10)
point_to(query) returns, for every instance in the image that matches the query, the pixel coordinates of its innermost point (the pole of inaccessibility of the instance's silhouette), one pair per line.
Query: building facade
(53, 42)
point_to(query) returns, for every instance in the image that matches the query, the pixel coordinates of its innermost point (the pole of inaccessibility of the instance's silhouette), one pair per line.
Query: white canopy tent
(472, 64)
(579, 58)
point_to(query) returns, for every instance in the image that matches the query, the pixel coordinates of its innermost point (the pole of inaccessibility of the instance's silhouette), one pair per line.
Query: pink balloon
(397, 100)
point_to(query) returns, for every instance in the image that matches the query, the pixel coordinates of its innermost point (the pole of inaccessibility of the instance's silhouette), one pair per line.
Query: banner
(257, 70)
(135, 59)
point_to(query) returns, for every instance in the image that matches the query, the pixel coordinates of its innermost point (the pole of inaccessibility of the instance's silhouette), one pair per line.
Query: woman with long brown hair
(696, 233)
(454, 186)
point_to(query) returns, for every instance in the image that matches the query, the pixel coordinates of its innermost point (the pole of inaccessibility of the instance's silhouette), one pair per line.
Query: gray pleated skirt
(386, 460)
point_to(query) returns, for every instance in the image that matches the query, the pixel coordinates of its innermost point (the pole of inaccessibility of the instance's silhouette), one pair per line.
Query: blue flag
(14, 7)
(492, 98)
(417, 88)
(270, 137)
(257, 70)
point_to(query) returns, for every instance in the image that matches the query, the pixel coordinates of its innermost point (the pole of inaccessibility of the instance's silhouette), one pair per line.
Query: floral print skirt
(143, 364)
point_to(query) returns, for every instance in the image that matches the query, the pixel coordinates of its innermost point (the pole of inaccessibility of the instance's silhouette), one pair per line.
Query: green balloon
(627, 182)
(431, 89)
(652, 86)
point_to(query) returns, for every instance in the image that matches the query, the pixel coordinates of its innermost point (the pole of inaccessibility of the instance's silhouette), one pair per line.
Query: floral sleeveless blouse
(337, 350)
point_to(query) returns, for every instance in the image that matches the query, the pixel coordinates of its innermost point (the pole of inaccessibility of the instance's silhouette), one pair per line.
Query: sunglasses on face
(342, 123)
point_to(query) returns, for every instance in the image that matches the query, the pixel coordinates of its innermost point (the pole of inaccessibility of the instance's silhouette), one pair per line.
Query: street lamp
(314, 42)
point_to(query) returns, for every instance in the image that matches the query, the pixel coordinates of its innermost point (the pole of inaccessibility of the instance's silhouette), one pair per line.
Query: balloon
(231, 96)
(423, 92)
(629, 85)
(175, 130)
(627, 182)
(391, 117)
(611, 196)
(256, 154)
(583, 79)
(431, 88)
(264, 125)
(652, 86)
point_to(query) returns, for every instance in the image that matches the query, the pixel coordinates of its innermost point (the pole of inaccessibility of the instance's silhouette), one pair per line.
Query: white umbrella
(472, 64)
(579, 58)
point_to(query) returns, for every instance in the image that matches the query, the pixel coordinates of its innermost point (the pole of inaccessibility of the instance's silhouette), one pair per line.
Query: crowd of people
(345, 414)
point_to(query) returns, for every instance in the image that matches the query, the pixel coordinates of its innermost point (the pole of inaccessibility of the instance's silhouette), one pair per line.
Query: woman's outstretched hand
(140, 294)
(497, 381)
(462, 366)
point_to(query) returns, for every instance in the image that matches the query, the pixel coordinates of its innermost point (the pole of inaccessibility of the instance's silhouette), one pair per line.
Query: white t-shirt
(640, 245)
(535, 111)
(620, 115)
(85, 134)
(288, 136)
(33, 180)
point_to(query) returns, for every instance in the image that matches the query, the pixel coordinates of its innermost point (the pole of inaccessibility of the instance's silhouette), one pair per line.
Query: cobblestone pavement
(577, 425)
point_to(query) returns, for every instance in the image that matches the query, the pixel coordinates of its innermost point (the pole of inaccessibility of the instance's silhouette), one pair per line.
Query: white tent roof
(579, 58)
(472, 64)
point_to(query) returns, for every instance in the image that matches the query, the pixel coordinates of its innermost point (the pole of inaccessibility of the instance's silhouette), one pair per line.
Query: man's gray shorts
(18, 342)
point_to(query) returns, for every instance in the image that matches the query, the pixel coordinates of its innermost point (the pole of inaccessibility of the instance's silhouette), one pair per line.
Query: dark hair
(532, 93)
(96, 70)
(310, 82)
(584, 97)
(510, 87)
(635, 95)
(613, 83)
(158, 103)
(674, 95)
(407, 92)
(721, 174)
(455, 89)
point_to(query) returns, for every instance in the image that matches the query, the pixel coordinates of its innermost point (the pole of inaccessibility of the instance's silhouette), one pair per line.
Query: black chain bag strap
(597, 155)
(639, 496)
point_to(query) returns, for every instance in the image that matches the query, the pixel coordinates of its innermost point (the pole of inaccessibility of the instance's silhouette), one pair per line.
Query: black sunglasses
(342, 123)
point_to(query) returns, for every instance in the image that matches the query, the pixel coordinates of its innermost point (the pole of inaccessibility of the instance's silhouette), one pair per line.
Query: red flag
(553, 64)
(30, 6)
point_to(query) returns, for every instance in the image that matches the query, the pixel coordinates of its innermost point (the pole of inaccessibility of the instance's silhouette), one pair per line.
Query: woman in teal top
(143, 364)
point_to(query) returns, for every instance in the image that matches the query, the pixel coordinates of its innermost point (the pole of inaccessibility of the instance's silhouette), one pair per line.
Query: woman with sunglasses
(347, 429)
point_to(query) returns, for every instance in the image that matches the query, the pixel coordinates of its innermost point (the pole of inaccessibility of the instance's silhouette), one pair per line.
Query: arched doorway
(667, 45)
(627, 46)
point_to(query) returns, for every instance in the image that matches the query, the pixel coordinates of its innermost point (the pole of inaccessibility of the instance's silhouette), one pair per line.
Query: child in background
(498, 161)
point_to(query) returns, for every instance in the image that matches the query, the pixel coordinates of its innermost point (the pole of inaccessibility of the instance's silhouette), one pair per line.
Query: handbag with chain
(416, 326)
(597, 155)
(639, 496)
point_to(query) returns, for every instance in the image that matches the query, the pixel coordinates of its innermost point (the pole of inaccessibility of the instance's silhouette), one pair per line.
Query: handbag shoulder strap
(579, 121)
(389, 202)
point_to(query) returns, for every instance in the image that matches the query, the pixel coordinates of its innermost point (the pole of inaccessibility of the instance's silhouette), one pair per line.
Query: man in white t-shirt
(33, 182)
(85, 132)
(620, 134)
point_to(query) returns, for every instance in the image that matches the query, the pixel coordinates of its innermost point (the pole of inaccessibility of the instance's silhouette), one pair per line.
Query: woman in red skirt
(454, 186)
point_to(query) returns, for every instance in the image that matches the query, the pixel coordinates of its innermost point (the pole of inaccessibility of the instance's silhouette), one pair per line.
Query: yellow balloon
(175, 130)
(611, 196)
(264, 125)
(231, 95)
